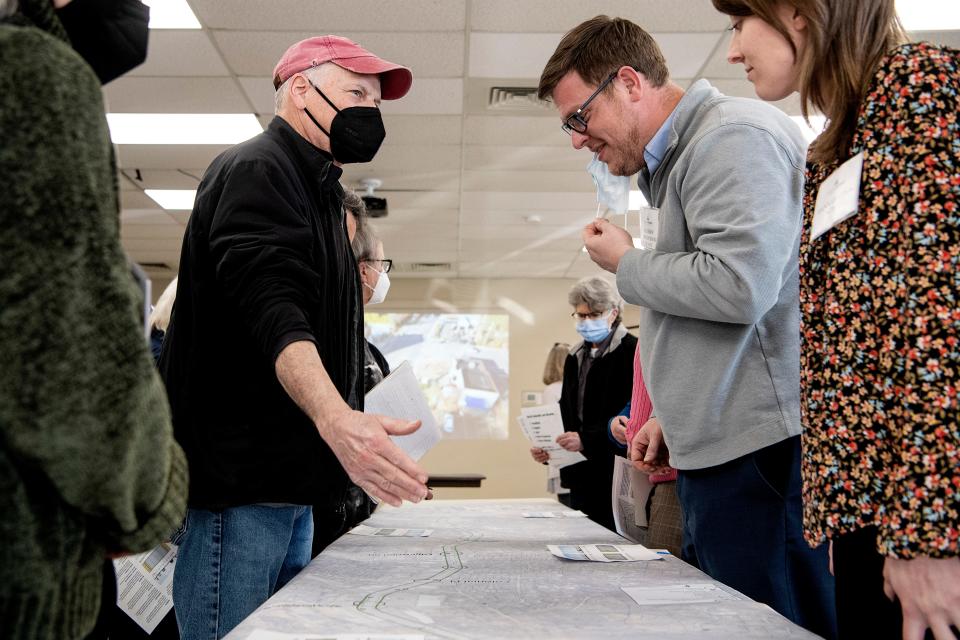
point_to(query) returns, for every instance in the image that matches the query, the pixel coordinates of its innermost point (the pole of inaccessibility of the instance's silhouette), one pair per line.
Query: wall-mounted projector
(376, 206)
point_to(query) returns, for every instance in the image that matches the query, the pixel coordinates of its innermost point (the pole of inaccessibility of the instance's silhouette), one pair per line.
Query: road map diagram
(485, 572)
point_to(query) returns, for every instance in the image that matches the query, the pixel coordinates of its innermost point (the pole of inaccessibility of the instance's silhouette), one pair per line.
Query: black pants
(863, 609)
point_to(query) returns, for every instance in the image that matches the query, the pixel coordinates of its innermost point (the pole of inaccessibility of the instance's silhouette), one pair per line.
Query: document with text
(399, 396)
(542, 425)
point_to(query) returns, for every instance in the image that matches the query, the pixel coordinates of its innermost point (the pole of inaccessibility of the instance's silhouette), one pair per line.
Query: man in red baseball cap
(263, 358)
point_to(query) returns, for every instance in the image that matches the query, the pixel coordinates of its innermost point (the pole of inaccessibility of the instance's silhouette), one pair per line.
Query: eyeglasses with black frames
(385, 265)
(575, 121)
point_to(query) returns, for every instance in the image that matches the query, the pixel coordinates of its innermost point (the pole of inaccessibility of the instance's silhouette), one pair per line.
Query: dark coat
(266, 262)
(609, 385)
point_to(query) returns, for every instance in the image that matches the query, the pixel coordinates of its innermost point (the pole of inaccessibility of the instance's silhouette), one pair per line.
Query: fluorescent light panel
(182, 128)
(171, 14)
(929, 15)
(173, 199)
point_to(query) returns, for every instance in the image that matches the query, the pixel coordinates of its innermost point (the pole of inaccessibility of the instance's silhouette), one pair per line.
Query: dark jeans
(743, 526)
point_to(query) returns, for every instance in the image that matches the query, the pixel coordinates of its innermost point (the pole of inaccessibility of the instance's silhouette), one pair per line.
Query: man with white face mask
(333, 519)
(716, 277)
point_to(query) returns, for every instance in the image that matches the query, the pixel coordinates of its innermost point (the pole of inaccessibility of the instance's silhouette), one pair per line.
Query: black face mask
(111, 35)
(356, 133)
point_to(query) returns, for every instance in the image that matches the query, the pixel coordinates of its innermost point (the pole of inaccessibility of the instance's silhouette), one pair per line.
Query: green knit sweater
(88, 464)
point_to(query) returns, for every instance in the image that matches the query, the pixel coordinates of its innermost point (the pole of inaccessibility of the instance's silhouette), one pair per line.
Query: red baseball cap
(395, 79)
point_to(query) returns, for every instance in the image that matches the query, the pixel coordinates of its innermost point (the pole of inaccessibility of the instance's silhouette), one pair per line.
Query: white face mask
(379, 291)
(613, 191)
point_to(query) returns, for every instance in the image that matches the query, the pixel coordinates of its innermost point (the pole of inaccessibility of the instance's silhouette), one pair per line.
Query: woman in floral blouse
(879, 281)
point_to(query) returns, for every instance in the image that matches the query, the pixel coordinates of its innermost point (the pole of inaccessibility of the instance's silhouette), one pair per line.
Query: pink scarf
(640, 409)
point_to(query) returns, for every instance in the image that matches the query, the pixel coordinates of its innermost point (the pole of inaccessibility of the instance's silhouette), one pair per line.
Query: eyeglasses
(593, 315)
(575, 121)
(385, 265)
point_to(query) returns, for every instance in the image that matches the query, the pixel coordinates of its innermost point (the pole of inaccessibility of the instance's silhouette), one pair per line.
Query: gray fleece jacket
(719, 325)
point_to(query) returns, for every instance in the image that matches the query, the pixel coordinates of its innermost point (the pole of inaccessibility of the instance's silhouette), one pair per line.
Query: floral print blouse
(880, 359)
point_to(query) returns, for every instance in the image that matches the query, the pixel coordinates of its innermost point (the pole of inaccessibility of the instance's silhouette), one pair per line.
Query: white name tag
(838, 198)
(649, 227)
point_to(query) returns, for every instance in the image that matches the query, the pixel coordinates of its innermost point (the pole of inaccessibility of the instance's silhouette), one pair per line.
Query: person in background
(160, 318)
(597, 379)
(662, 506)
(553, 372)
(355, 506)
(878, 297)
(263, 357)
(553, 379)
(717, 289)
(88, 463)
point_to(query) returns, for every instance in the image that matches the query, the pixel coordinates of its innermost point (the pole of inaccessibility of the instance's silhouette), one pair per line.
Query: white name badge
(649, 227)
(838, 198)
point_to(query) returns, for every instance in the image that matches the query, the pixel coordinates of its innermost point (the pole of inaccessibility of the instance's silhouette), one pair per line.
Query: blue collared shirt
(657, 146)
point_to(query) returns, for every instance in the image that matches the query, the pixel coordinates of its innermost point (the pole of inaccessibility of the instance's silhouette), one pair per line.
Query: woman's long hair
(846, 40)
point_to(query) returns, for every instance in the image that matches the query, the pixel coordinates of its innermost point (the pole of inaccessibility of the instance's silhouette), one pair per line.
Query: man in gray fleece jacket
(717, 284)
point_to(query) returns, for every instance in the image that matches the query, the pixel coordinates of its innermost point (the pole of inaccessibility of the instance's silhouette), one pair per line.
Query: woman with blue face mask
(597, 382)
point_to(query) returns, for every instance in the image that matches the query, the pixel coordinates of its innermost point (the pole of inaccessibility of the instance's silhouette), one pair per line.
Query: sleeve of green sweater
(80, 403)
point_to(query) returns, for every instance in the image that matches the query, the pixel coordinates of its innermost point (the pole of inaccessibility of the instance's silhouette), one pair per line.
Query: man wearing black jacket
(263, 356)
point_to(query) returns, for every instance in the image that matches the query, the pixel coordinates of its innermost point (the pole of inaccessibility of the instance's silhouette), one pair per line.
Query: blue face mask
(594, 330)
(613, 191)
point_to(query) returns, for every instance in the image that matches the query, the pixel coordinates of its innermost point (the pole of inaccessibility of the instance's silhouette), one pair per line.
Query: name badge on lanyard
(838, 197)
(649, 227)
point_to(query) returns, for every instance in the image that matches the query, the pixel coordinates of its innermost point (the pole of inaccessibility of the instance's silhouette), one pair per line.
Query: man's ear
(299, 87)
(634, 82)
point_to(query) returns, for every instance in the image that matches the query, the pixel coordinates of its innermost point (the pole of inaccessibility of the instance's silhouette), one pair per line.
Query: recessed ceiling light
(173, 199)
(812, 130)
(182, 128)
(929, 15)
(171, 14)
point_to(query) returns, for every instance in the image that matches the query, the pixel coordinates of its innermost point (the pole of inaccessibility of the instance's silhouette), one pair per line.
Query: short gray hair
(597, 293)
(365, 242)
(314, 75)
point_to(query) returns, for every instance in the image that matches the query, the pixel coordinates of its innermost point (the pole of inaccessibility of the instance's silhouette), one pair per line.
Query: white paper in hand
(399, 396)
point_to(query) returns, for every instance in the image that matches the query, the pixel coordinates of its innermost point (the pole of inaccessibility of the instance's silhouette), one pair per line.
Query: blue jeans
(743, 526)
(231, 561)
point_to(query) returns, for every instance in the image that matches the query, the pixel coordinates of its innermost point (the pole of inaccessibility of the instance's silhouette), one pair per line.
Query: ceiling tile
(524, 158)
(523, 55)
(175, 52)
(163, 156)
(134, 94)
(562, 15)
(559, 200)
(530, 180)
(515, 130)
(428, 96)
(428, 54)
(147, 217)
(332, 17)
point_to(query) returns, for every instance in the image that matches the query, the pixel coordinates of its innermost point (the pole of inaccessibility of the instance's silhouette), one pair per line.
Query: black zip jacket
(609, 385)
(265, 262)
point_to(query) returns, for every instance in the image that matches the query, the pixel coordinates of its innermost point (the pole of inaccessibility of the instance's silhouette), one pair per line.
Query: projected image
(461, 361)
